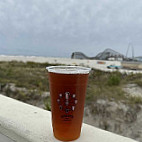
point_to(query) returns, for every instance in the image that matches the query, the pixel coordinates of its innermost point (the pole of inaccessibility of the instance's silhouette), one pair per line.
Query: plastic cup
(67, 88)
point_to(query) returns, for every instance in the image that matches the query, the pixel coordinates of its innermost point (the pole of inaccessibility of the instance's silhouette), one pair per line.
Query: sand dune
(96, 64)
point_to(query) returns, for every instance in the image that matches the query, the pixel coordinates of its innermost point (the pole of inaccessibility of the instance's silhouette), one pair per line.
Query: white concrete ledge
(25, 123)
(4, 138)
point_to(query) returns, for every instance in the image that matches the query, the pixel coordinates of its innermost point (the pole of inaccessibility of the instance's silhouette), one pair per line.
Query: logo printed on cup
(67, 102)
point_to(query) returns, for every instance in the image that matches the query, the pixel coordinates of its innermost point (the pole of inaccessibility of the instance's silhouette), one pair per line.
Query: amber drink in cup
(67, 89)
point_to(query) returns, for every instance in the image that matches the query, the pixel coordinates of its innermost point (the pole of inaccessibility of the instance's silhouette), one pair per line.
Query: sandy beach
(95, 64)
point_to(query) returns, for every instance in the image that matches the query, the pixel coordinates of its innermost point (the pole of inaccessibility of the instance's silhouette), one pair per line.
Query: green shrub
(47, 104)
(139, 82)
(113, 80)
(136, 100)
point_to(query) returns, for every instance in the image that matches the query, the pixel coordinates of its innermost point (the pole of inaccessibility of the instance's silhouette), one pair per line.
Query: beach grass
(29, 75)
(109, 85)
(101, 85)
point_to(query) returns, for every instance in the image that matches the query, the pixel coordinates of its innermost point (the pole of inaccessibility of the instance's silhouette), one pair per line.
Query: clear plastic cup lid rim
(68, 69)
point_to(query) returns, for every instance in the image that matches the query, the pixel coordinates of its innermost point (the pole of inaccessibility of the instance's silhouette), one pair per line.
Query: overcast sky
(60, 27)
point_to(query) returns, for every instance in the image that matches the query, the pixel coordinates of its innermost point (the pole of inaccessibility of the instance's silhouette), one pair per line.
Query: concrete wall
(4, 138)
(25, 123)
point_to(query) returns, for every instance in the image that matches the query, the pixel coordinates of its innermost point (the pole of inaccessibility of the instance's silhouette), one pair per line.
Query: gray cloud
(59, 27)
